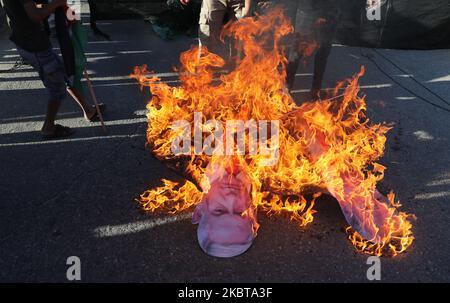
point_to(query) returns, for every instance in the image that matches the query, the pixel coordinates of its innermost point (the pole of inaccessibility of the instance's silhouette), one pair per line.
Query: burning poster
(243, 146)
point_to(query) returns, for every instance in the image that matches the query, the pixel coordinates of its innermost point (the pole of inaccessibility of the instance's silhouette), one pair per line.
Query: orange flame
(326, 146)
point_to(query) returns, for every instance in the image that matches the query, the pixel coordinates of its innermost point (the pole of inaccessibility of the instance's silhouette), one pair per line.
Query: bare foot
(58, 132)
(92, 115)
(47, 130)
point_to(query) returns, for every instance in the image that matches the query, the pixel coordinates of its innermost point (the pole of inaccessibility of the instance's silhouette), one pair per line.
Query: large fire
(326, 146)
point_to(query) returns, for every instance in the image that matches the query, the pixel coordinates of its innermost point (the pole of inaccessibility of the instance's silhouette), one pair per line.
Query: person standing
(212, 16)
(26, 19)
(325, 18)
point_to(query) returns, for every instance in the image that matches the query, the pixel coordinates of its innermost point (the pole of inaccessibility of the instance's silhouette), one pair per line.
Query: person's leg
(88, 110)
(290, 8)
(51, 73)
(49, 124)
(93, 20)
(210, 25)
(93, 13)
(291, 71)
(320, 65)
(324, 35)
(235, 11)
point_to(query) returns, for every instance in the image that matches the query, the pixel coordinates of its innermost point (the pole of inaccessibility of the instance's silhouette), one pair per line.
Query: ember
(327, 146)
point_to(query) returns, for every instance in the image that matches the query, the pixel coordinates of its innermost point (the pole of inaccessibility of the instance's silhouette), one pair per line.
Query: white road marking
(428, 196)
(135, 227)
(331, 89)
(70, 140)
(422, 135)
(439, 182)
(20, 127)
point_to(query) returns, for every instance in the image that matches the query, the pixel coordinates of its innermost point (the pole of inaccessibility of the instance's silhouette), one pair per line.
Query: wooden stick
(94, 98)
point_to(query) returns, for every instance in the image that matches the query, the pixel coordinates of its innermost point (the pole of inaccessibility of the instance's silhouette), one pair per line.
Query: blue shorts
(50, 69)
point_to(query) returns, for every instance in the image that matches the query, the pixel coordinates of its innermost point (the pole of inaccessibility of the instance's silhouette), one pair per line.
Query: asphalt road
(75, 197)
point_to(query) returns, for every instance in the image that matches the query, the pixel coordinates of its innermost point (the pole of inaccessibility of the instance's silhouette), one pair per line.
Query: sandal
(95, 116)
(59, 133)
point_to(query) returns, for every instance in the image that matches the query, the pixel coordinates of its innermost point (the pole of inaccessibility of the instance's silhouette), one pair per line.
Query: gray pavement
(75, 197)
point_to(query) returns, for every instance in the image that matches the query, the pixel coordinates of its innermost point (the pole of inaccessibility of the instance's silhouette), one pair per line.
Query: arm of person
(38, 13)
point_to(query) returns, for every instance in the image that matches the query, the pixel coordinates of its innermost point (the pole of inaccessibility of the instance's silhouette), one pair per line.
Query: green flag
(79, 41)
